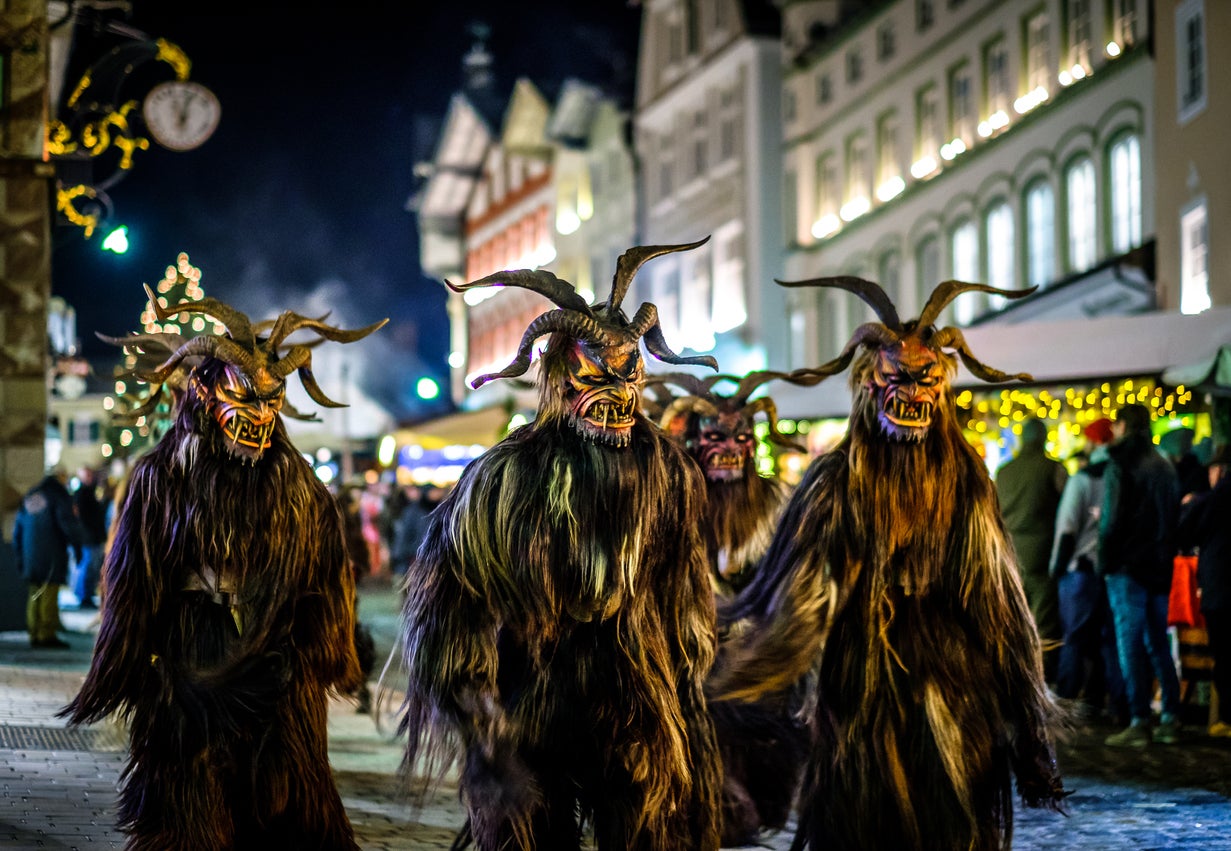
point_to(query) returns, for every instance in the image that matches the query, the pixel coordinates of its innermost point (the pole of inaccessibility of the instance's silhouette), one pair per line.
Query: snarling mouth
(609, 422)
(724, 465)
(246, 438)
(908, 413)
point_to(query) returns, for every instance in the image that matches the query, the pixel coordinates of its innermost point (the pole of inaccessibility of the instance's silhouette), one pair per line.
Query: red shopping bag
(1184, 607)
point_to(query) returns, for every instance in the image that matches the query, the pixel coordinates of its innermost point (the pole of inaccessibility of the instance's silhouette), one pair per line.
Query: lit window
(1124, 24)
(856, 168)
(996, 73)
(1040, 234)
(928, 117)
(1038, 53)
(1082, 208)
(1190, 71)
(697, 331)
(730, 304)
(1079, 34)
(961, 105)
(1001, 258)
(1125, 194)
(964, 252)
(889, 272)
(1194, 259)
(887, 149)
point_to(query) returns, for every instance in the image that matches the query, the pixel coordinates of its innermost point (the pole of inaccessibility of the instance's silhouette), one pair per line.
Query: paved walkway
(57, 786)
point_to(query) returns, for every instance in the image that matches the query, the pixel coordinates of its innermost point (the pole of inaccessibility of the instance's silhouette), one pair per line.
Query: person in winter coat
(1137, 548)
(1029, 488)
(94, 526)
(1203, 524)
(45, 528)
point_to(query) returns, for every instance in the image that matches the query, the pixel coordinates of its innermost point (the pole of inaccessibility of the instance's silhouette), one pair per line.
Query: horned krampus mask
(719, 430)
(905, 368)
(239, 379)
(592, 370)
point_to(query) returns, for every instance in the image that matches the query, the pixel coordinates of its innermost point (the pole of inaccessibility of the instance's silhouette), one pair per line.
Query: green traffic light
(427, 389)
(117, 240)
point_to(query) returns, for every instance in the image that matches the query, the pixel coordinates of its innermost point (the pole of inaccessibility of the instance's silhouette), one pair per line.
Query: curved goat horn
(686, 405)
(872, 293)
(279, 329)
(237, 324)
(298, 356)
(692, 383)
(314, 390)
(947, 291)
(580, 326)
(207, 345)
(869, 333)
(952, 338)
(328, 332)
(656, 345)
(541, 281)
(632, 260)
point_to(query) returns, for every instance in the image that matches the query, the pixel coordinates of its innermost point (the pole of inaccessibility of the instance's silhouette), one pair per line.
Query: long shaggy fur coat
(559, 625)
(891, 575)
(226, 704)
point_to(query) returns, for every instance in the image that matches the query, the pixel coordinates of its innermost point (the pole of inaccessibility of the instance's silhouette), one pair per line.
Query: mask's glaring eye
(602, 392)
(245, 415)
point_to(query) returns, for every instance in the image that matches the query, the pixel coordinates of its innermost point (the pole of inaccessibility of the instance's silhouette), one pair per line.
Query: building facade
(708, 140)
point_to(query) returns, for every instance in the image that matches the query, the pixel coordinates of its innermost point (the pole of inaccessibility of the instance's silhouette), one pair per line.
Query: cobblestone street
(57, 786)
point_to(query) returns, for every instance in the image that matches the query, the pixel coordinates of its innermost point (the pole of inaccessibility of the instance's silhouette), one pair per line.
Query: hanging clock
(181, 115)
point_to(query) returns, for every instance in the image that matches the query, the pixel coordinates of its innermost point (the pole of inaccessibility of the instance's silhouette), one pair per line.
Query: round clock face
(181, 115)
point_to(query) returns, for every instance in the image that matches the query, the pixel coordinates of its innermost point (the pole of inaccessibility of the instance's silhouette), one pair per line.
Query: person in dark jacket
(93, 519)
(1137, 548)
(1029, 488)
(45, 529)
(1089, 666)
(1204, 524)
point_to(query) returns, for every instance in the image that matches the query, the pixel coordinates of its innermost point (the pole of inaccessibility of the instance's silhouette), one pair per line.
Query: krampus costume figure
(559, 617)
(892, 573)
(763, 743)
(229, 615)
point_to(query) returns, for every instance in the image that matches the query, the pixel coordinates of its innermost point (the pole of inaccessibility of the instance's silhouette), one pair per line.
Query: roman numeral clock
(181, 114)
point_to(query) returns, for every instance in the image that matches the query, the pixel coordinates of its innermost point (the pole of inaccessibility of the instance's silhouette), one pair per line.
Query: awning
(1067, 351)
(1208, 375)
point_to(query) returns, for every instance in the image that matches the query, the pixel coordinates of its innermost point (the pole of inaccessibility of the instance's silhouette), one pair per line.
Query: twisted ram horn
(947, 291)
(952, 338)
(295, 322)
(569, 321)
(694, 384)
(632, 260)
(237, 324)
(561, 292)
(870, 292)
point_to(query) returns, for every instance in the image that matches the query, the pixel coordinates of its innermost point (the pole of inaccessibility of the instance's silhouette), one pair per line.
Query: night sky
(298, 201)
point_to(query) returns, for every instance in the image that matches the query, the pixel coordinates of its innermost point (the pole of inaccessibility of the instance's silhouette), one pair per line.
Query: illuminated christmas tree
(138, 419)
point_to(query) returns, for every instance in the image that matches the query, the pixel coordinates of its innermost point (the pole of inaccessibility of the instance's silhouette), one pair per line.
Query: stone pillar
(26, 178)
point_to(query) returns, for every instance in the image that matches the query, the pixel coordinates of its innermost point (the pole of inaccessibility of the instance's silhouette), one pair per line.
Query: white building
(708, 129)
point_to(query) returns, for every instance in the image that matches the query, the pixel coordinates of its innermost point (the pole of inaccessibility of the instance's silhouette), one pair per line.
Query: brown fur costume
(559, 618)
(229, 613)
(763, 743)
(891, 572)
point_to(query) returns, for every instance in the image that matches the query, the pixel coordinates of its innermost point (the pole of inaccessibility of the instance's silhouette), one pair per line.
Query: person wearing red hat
(1089, 667)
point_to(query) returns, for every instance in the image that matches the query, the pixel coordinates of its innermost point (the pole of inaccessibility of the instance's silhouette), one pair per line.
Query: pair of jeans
(1141, 638)
(1085, 666)
(85, 579)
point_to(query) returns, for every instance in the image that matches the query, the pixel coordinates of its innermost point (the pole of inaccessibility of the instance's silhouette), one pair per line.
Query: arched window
(1040, 234)
(1001, 253)
(964, 251)
(889, 272)
(1082, 207)
(1126, 193)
